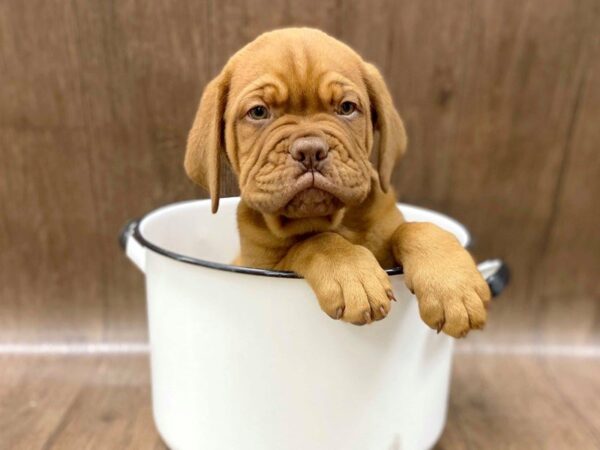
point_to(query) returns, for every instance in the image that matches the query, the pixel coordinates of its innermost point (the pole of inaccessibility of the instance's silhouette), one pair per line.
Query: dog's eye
(346, 108)
(259, 112)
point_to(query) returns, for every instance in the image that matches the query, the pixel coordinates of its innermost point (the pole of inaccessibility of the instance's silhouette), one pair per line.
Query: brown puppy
(295, 113)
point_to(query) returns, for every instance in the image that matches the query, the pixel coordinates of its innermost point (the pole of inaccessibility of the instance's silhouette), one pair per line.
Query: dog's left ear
(386, 122)
(206, 140)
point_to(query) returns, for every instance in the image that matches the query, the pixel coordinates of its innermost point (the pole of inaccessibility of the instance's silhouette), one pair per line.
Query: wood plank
(31, 405)
(571, 257)
(112, 411)
(498, 171)
(579, 386)
(88, 137)
(78, 402)
(500, 100)
(496, 402)
(35, 395)
(503, 402)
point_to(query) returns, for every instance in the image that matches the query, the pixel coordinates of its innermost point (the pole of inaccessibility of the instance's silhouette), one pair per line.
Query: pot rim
(133, 229)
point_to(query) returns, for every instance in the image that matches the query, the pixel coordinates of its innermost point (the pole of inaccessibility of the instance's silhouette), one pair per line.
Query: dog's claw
(383, 312)
(339, 313)
(368, 316)
(479, 326)
(440, 325)
(390, 295)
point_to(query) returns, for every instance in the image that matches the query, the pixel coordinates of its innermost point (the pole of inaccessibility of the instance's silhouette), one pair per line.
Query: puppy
(297, 114)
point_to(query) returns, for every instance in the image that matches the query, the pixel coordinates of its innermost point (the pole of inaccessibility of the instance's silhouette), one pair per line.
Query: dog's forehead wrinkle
(263, 85)
(301, 59)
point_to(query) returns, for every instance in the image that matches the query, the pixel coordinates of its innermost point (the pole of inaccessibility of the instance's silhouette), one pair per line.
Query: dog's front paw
(451, 292)
(352, 287)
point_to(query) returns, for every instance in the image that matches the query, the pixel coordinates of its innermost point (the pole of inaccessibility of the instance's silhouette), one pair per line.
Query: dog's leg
(451, 292)
(347, 279)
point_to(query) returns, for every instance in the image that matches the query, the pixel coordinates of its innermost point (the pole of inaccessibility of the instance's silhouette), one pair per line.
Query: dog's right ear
(206, 140)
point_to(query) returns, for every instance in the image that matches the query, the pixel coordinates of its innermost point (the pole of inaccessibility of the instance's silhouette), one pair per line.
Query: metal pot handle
(135, 251)
(496, 273)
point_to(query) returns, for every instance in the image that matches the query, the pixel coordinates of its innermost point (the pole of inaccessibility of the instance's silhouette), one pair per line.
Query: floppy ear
(386, 122)
(206, 141)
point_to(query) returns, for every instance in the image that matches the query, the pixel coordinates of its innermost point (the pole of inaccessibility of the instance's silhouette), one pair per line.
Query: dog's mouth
(312, 202)
(310, 195)
(313, 195)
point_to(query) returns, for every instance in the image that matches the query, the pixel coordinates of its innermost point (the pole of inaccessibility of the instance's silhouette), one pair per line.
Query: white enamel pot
(244, 359)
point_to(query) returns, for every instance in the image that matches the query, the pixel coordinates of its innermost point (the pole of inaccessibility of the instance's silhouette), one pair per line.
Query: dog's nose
(309, 150)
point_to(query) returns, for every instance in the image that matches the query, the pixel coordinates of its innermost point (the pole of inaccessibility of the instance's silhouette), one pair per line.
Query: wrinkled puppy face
(295, 112)
(301, 123)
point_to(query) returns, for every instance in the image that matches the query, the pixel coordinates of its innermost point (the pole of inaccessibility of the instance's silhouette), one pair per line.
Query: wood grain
(571, 255)
(523, 403)
(501, 101)
(85, 402)
(90, 402)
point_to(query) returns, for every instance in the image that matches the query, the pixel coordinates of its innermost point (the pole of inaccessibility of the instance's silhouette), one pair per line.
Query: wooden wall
(501, 101)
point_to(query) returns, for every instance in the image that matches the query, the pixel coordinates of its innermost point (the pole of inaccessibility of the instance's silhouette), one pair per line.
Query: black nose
(309, 150)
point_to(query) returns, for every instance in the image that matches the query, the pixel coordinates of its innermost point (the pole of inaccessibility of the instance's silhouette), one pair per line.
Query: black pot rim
(132, 228)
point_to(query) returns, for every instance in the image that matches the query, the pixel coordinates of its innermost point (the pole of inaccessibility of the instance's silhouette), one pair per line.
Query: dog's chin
(312, 202)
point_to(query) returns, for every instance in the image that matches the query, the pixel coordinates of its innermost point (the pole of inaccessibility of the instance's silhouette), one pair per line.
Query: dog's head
(295, 113)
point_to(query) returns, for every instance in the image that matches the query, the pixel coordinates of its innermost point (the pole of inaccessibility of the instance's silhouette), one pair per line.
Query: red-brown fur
(338, 226)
